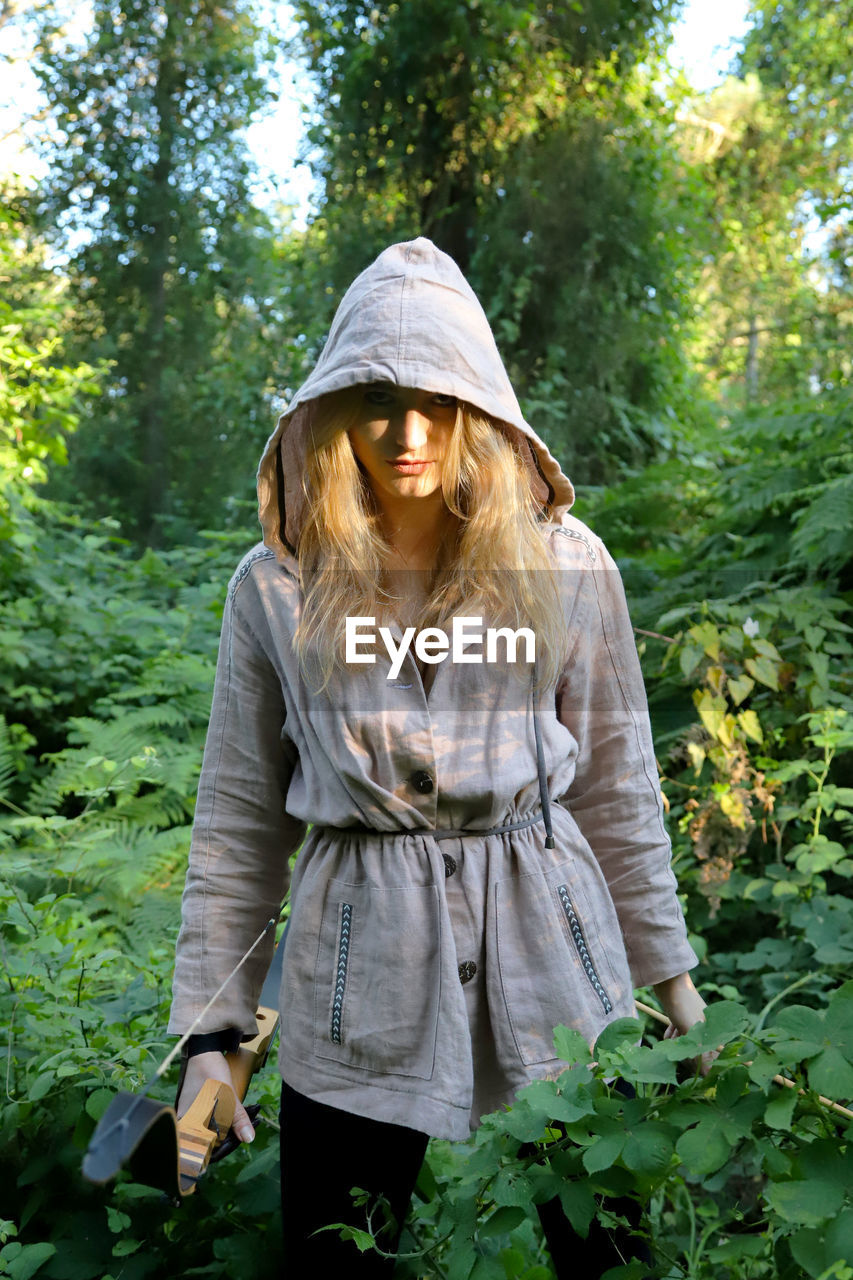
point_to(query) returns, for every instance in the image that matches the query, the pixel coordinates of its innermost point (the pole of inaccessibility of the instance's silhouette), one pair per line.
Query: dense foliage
(728, 1166)
(172, 268)
(669, 276)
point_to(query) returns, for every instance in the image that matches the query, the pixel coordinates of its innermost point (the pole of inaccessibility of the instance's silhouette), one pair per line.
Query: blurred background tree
(172, 270)
(651, 257)
(539, 160)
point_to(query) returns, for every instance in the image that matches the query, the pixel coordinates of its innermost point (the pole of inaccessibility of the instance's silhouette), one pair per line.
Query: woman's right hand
(212, 1066)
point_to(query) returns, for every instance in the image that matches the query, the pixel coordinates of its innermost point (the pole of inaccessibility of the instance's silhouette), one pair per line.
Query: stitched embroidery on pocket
(341, 972)
(581, 947)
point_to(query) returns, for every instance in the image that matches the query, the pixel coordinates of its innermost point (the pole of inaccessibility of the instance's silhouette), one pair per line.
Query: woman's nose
(414, 428)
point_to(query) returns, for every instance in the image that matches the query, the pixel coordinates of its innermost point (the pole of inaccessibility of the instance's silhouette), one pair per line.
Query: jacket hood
(410, 319)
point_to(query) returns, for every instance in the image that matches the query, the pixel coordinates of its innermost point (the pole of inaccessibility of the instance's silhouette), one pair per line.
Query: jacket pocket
(377, 978)
(553, 960)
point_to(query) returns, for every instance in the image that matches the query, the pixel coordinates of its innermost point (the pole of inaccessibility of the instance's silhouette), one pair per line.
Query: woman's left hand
(684, 1007)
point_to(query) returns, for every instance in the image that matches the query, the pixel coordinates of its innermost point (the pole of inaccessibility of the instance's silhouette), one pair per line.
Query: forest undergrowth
(107, 675)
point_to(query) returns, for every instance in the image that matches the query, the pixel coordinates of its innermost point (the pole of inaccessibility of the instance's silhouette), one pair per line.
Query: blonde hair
(493, 561)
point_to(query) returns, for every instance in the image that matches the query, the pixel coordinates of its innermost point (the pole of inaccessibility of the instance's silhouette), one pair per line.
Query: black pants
(325, 1152)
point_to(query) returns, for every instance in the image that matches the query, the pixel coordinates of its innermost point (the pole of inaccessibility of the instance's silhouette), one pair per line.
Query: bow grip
(201, 1127)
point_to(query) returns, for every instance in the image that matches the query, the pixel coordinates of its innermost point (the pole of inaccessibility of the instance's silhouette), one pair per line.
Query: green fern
(824, 534)
(8, 763)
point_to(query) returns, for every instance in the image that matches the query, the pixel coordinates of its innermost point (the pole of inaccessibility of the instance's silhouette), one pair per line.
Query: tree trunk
(752, 361)
(152, 398)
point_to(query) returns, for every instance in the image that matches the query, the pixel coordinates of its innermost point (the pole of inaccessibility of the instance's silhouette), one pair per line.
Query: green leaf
(571, 1046)
(817, 854)
(831, 1074)
(808, 1202)
(704, 1149)
(488, 1269)
(712, 710)
(97, 1102)
(653, 1064)
(708, 636)
(116, 1220)
(766, 649)
(462, 1260)
(780, 1109)
(635, 1270)
(724, 1021)
(818, 1249)
(689, 658)
(123, 1248)
(616, 1033)
(736, 1248)
(41, 1086)
(804, 1028)
(579, 1205)
(524, 1122)
(731, 1087)
(512, 1187)
(764, 670)
(763, 1068)
(502, 1221)
(648, 1148)
(557, 1100)
(605, 1149)
(362, 1239)
(751, 725)
(740, 688)
(29, 1260)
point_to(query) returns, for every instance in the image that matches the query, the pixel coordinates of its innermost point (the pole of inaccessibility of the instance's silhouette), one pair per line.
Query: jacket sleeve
(615, 794)
(242, 837)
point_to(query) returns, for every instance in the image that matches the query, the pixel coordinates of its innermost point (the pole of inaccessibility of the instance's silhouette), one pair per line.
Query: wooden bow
(146, 1135)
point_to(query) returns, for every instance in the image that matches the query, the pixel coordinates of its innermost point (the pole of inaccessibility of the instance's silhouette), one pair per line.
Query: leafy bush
(103, 707)
(739, 1176)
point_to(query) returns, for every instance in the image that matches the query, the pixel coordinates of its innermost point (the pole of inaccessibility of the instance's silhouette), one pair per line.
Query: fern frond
(8, 770)
(823, 534)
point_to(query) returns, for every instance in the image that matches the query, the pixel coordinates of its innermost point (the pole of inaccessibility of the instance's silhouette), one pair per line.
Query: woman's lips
(409, 468)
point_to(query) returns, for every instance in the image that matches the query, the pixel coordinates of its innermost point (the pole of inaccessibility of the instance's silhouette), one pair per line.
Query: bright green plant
(106, 692)
(740, 1176)
(41, 388)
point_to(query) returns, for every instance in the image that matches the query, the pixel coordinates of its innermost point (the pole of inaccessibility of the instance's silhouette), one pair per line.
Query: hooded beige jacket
(435, 938)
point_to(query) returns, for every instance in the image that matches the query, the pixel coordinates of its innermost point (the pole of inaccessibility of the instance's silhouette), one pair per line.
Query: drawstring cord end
(540, 766)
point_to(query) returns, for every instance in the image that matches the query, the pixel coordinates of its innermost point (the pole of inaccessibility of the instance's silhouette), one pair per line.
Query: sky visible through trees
(701, 44)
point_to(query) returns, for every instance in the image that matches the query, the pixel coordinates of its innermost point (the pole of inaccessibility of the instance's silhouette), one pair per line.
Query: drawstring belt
(448, 833)
(445, 833)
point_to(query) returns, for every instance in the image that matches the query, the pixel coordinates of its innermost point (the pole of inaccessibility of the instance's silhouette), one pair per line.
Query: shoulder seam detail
(577, 536)
(245, 569)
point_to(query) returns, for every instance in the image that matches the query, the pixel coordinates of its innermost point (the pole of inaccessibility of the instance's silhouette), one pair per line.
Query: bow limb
(146, 1136)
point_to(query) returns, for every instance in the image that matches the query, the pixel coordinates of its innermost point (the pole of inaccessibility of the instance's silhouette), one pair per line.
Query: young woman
(486, 855)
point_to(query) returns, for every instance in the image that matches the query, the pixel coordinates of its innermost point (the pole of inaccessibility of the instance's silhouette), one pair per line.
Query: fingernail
(246, 1133)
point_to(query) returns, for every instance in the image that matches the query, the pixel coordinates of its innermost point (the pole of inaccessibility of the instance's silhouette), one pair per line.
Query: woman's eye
(445, 402)
(376, 395)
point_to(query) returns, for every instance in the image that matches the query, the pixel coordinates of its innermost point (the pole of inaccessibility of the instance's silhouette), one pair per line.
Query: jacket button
(421, 781)
(449, 865)
(466, 971)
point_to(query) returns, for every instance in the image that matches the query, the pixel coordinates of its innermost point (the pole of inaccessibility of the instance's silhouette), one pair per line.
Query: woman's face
(400, 437)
